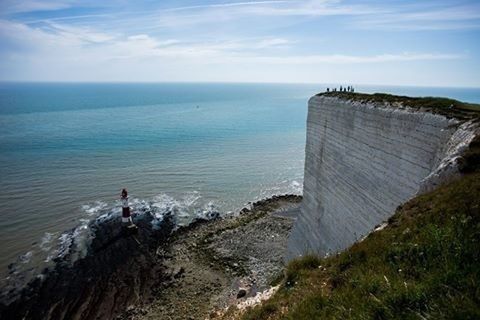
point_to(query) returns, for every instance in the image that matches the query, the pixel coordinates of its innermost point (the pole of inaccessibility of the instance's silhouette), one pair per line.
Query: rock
(213, 215)
(241, 293)
(178, 272)
(100, 284)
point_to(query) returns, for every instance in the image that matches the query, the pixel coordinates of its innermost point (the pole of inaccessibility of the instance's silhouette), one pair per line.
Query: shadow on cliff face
(119, 269)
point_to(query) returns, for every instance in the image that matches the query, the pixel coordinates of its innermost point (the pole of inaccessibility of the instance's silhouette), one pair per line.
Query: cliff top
(448, 107)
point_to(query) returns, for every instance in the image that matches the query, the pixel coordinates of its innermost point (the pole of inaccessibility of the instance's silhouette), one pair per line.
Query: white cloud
(223, 13)
(14, 6)
(275, 42)
(227, 5)
(84, 44)
(80, 43)
(422, 15)
(419, 16)
(68, 18)
(283, 8)
(82, 34)
(203, 42)
(315, 9)
(350, 59)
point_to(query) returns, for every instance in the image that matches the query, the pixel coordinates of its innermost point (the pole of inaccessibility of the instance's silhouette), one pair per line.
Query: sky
(424, 43)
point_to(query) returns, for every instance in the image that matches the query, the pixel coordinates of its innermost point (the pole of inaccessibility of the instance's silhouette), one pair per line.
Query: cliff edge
(367, 154)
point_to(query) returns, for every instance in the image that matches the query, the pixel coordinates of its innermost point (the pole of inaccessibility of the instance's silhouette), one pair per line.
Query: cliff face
(363, 160)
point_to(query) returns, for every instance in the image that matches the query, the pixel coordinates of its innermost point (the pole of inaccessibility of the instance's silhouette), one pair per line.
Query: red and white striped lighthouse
(126, 216)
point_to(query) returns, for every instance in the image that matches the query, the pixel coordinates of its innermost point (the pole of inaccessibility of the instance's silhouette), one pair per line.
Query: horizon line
(233, 82)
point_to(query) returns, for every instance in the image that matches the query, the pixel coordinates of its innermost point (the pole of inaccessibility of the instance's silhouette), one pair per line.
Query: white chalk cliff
(362, 160)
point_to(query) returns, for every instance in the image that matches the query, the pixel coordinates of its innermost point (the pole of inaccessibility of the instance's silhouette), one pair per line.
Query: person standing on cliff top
(126, 216)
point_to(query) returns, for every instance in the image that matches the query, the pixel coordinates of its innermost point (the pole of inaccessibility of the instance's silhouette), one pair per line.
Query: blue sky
(428, 43)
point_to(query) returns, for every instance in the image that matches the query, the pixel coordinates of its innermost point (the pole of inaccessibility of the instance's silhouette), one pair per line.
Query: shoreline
(150, 274)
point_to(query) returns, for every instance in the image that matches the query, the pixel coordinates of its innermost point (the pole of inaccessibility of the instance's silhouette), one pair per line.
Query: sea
(67, 149)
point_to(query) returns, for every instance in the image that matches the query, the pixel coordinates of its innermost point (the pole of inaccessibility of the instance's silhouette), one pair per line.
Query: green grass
(444, 106)
(424, 265)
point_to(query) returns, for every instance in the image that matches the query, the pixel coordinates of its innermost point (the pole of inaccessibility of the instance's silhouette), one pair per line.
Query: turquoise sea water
(66, 150)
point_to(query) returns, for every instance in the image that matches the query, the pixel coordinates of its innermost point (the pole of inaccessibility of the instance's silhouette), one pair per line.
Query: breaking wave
(74, 243)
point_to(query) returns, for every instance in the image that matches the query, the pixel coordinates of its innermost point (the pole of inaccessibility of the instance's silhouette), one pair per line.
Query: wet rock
(241, 293)
(118, 268)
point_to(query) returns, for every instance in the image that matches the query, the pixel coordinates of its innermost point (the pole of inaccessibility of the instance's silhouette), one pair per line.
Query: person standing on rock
(126, 216)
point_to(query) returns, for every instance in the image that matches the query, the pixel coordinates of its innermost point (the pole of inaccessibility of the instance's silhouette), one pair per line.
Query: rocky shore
(194, 272)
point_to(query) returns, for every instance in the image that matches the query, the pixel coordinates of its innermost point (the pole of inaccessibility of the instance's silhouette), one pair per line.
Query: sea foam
(73, 244)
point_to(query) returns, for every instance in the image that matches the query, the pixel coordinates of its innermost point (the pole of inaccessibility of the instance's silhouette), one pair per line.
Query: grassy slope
(444, 106)
(424, 264)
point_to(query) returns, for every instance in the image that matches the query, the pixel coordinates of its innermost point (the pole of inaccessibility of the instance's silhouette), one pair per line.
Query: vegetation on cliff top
(424, 265)
(445, 106)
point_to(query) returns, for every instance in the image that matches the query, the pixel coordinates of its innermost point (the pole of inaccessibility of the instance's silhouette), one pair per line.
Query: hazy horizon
(236, 82)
